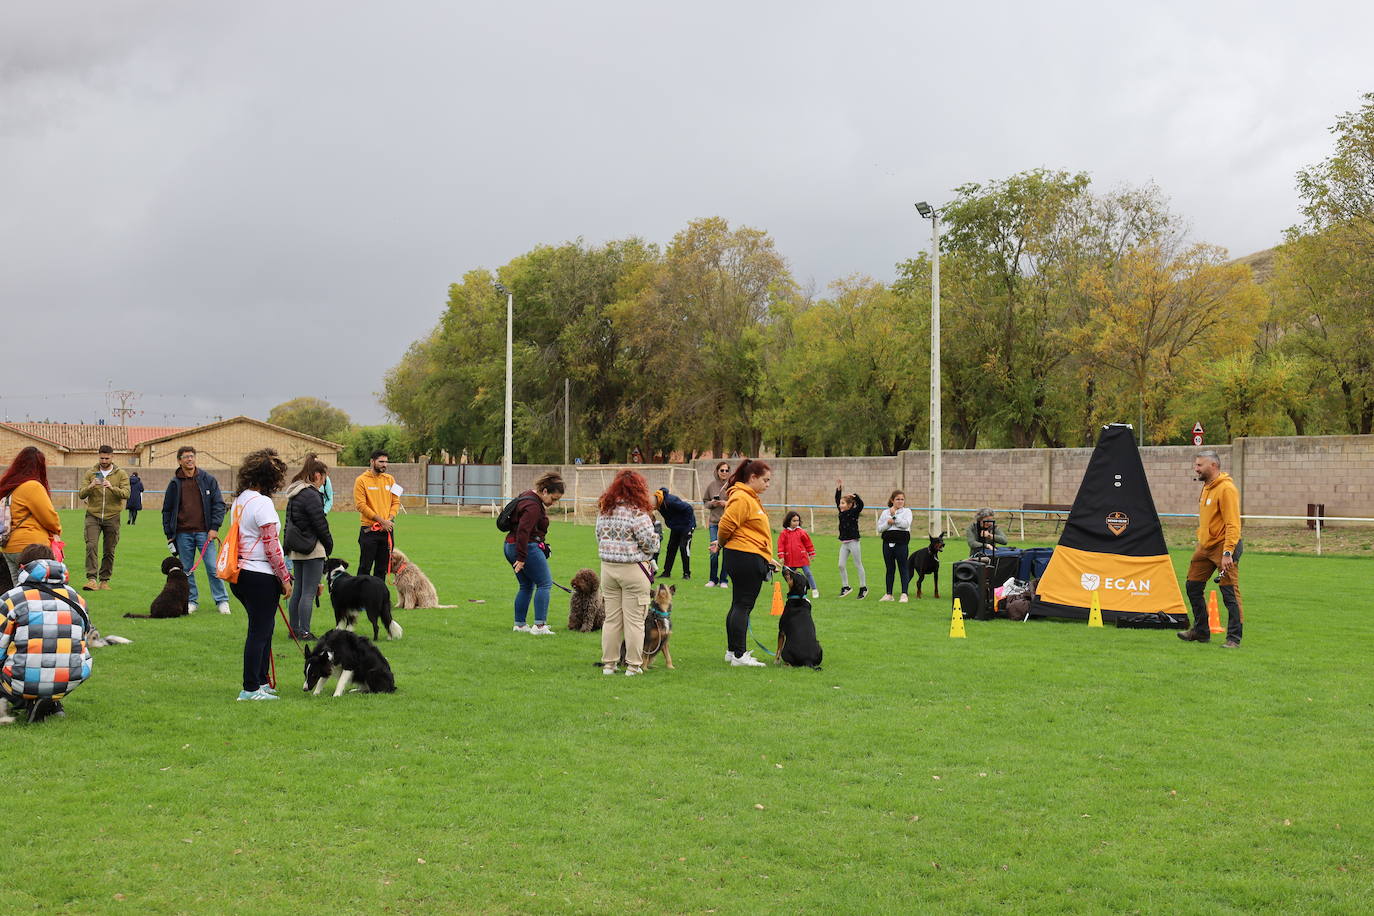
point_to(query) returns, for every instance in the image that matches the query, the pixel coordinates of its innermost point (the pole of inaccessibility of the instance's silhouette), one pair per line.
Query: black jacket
(135, 500)
(849, 518)
(305, 510)
(210, 498)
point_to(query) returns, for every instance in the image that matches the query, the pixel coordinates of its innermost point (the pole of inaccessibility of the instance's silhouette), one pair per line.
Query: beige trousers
(625, 588)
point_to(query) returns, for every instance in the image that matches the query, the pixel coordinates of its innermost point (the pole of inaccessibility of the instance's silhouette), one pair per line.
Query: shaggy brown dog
(586, 607)
(412, 585)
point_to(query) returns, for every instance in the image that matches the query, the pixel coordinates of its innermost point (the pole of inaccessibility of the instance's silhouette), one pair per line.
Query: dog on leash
(797, 642)
(175, 596)
(926, 562)
(353, 595)
(354, 657)
(412, 585)
(586, 607)
(658, 626)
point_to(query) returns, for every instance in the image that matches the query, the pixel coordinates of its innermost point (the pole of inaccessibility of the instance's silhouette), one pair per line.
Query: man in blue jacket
(192, 508)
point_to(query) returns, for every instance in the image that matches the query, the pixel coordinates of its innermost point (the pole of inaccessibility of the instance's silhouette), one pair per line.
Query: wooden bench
(1059, 510)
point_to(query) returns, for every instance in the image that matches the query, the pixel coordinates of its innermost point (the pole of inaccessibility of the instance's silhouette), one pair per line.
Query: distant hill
(1261, 263)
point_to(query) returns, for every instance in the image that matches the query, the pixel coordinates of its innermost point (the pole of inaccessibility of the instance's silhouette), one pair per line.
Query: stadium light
(506, 471)
(936, 497)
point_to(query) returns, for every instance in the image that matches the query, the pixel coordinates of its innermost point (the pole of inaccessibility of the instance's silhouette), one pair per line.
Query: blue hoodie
(677, 514)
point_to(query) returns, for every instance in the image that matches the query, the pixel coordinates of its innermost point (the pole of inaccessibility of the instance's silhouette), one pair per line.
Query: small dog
(351, 595)
(658, 626)
(797, 642)
(586, 607)
(355, 658)
(412, 584)
(926, 562)
(172, 601)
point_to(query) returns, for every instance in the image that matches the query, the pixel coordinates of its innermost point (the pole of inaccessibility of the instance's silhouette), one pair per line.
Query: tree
(362, 441)
(312, 416)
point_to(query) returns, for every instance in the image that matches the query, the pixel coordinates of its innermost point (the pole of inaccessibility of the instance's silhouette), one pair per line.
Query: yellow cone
(1095, 611)
(956, 621)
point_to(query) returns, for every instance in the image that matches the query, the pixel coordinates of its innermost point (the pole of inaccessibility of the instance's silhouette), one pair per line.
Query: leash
(203, 553)
(390, 547)
(272, 658)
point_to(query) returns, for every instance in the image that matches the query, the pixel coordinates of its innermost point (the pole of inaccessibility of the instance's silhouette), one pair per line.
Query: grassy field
(1038, 767)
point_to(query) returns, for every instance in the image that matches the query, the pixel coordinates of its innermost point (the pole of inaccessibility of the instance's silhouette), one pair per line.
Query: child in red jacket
(795, 548)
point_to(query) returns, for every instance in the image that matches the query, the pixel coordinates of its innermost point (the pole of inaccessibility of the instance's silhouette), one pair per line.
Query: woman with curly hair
(263, 576)
(33, 518)
(625, 540)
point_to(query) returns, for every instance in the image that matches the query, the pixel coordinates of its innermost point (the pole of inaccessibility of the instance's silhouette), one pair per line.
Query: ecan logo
(1090, 581)
(1117, 522)
(1136, 587)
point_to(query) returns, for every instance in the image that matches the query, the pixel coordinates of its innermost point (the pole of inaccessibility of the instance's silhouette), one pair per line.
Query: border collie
(354, 657)
(351, 595)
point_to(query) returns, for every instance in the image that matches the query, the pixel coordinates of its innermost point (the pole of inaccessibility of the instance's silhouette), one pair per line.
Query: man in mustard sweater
(104, 488)
(1219, 547)
(377, 505)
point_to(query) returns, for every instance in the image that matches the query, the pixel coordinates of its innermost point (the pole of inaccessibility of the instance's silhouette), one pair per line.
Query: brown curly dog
(586, 609)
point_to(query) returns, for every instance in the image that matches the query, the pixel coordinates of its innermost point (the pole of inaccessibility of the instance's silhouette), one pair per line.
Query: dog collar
(662, 613)
(802, 595)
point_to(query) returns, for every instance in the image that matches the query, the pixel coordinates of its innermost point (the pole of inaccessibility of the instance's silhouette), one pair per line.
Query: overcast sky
(222, 206)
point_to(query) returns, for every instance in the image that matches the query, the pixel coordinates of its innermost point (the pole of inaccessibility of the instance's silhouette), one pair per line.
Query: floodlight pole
(507, 473)
(936, 498)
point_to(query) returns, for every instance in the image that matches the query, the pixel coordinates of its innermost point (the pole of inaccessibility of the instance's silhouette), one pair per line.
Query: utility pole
(125, 410)
(567, 411)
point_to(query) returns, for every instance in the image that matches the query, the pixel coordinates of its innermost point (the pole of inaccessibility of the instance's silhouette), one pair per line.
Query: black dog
(797, 642)
(175, 596)
(926, 562)
(354, 657)
(351, 595)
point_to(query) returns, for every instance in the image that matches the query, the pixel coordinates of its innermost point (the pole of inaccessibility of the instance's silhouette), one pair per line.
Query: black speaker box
(971, 588)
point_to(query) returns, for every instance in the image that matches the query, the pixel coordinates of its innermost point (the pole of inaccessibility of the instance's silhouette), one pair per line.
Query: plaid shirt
(627, 535)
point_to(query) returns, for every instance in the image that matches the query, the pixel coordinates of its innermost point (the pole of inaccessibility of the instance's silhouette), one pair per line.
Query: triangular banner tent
(1113, 544)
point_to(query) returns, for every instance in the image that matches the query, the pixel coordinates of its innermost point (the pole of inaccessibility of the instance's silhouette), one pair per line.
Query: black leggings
(258, 593)
(374, 553)
(747, 572)
(895, 546)
(679, 540)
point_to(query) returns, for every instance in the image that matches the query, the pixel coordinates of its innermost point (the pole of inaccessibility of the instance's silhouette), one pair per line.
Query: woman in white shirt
(263, 575)
(894, 525)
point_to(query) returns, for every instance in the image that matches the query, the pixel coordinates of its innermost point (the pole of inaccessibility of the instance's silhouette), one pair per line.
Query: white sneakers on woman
(746, 660)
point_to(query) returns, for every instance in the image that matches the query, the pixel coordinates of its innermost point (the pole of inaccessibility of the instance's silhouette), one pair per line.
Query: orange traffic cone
(956, 622)
(777, 600)
(1213, 618)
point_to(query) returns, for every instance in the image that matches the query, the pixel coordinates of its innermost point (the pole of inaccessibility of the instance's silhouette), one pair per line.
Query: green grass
(1039, 767)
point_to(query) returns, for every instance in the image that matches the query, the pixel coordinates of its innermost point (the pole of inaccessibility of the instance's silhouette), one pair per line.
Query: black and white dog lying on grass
(352, 595)
(354, 657)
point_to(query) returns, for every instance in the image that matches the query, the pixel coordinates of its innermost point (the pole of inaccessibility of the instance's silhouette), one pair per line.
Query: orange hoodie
(744, 524)
(1218, 511)
(373, 499)
(32, 516)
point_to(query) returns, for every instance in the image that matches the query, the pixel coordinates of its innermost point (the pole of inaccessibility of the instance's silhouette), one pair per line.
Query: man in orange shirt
(375, 498)
(1219, 547)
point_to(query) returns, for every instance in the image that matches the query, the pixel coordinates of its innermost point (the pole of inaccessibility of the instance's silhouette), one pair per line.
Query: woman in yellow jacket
(33, 518)
(747, 544)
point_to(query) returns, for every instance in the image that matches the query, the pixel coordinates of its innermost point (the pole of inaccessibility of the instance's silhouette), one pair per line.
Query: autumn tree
(312, 416)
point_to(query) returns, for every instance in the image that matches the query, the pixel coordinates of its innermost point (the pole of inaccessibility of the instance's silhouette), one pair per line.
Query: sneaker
(44, 708)
(815, 593)
(265, 688)
(521, 628)
(686, 577)
(885, 598)
(222, 607)
(541, 629)
(105, 586)
(258, 694)
(192, 608)
(747, 660)
(863, 593)
(608, 669)
(729, 656)
(901, 600)
(845, 591)
(307, 636)
(1231, 643)
(1192, 636)
(633, 670)
(710, 584)
(90, 586)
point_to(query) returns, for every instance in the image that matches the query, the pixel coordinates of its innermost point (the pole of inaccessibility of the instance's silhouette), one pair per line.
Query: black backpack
(506, 520)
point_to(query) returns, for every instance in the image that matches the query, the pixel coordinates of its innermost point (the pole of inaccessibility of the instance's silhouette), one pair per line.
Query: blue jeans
(535, 581)
(718, 575)
(806, 571)
(189, 544)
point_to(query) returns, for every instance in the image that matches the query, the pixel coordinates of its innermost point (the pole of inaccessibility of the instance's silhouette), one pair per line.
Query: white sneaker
(815, 593)
(710, 584)
(633, 670)
(902, 600)
(192, 608)
(747, 660)
(608, 669)
(541, 629)
(729, 656)
(521, 628)
(222, 607)
(885, 598)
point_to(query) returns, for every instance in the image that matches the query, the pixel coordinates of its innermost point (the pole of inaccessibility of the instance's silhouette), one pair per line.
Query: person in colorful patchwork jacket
(43, 651)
